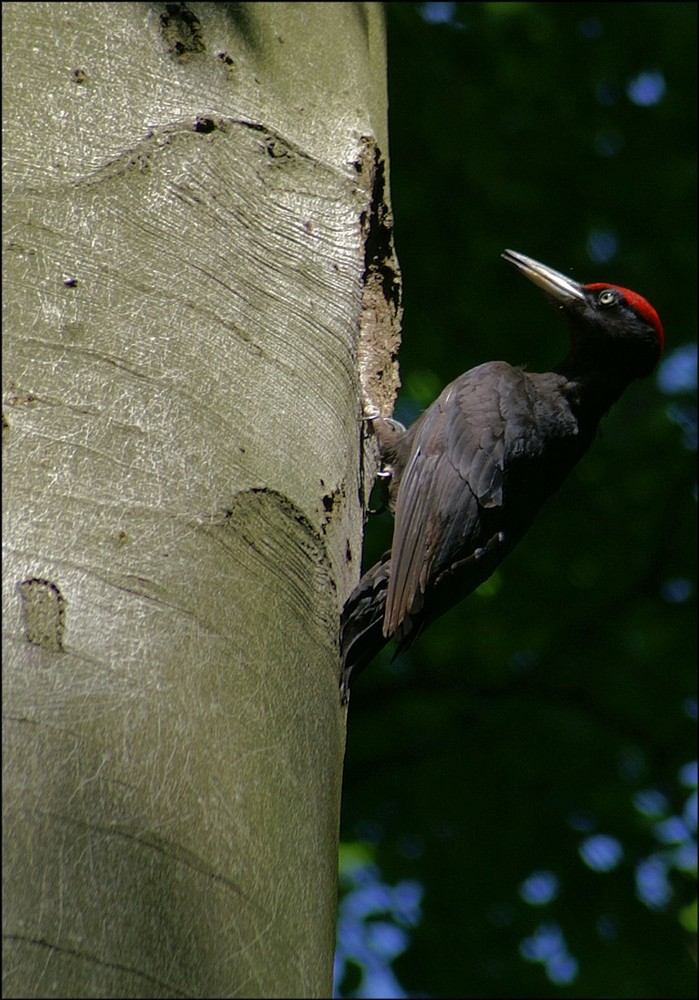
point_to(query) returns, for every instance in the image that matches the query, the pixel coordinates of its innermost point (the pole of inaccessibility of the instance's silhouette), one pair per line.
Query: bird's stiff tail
(361, 624)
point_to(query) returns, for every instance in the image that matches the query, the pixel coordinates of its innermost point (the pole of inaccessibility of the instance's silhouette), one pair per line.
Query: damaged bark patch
(205, 125)
(181, 29)
(44, 613)
(332, 504)
(379, 337)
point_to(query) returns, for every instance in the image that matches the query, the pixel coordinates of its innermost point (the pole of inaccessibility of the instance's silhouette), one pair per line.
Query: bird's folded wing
(455, 473)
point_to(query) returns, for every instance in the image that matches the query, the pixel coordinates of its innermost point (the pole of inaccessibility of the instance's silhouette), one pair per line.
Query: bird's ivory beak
(555, 284)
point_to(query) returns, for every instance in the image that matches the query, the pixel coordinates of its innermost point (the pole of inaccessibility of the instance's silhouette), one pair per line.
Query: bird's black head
(614, 331)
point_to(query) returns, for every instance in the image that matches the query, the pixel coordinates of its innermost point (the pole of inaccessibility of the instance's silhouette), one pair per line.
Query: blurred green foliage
(556, 705)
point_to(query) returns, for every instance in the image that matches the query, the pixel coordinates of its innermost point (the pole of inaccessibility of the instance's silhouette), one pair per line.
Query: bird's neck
(597, 386)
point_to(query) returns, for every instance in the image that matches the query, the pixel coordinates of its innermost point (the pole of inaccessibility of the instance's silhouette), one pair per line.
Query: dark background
(557, 704)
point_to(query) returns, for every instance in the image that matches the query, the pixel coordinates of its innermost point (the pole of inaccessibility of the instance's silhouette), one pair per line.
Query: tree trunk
(198, 270)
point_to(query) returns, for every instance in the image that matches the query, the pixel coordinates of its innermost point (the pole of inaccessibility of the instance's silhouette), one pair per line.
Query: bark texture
(198, 265)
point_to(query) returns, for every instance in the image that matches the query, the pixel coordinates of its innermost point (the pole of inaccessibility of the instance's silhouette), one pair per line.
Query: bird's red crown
(640, 305)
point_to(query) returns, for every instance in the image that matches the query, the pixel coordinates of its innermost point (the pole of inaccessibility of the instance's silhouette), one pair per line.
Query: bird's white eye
(608, 297)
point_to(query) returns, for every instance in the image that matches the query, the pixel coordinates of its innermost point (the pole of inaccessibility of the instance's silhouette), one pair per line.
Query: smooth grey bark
(198, 274)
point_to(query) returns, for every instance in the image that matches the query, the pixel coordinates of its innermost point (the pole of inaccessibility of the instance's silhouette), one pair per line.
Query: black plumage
(468, 477)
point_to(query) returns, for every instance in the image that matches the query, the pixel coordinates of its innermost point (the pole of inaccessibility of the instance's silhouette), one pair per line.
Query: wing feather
(455, 472)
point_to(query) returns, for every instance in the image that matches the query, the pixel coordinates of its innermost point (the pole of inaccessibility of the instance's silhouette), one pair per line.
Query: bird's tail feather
(361, 626)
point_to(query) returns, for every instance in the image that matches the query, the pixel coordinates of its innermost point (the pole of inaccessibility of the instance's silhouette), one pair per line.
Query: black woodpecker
(468, 477)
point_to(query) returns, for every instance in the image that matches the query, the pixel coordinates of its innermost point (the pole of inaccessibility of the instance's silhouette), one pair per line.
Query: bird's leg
(486, 558)
(493, 543)
(380, 496)
(387, 432)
